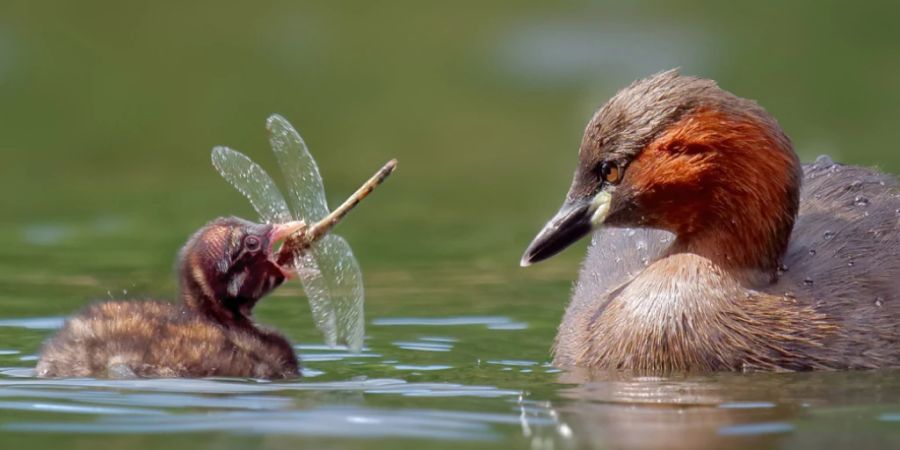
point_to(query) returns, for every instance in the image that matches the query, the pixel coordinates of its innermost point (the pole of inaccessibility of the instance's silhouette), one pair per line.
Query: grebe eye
(610, 172)
(252, 243)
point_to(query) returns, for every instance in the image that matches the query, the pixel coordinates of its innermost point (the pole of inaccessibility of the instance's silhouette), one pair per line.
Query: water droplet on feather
(782, 269)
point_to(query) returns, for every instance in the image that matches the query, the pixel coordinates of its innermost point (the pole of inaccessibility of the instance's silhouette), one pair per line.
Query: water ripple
(751, 429)
(234, 386)
(76, 409)
(492, 322)
(423, 346)
(34, 323)
(345, 422)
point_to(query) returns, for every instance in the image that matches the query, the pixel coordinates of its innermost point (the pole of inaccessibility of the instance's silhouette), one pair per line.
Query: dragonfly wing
(319, 294)
(305, 188)
(335, 292)
(330, 274)
(252, 181)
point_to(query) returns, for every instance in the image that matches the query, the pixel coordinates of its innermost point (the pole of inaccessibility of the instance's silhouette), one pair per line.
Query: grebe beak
(576, 218)
(280, 232)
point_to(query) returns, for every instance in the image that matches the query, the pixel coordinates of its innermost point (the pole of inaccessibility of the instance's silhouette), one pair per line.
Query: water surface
(461, 372)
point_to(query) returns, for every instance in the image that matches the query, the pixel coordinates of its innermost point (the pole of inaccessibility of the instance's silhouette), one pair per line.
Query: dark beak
(572, 222)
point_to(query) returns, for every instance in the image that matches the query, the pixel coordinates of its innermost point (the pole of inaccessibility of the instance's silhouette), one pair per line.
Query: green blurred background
(108, 111)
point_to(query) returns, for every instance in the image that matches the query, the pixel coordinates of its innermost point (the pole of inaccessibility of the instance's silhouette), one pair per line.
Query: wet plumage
(717, 250)
(224, 269)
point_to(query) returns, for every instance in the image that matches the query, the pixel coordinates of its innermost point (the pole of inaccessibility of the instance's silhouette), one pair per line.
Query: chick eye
(252, 243)
(610, 172)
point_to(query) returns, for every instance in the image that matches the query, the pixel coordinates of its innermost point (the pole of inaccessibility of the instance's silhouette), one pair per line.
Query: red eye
(610, 172)
(252, 243)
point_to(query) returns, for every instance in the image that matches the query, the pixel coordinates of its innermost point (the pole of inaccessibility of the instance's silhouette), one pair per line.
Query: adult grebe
(715, 249)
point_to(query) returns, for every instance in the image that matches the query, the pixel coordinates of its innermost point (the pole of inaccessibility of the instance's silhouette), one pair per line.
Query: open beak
(280, 232)
(576, 218)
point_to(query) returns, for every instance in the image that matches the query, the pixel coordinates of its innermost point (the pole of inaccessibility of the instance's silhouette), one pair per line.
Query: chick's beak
(280, 232)
(576, 218)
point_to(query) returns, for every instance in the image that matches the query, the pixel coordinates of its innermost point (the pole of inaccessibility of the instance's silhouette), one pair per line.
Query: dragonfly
(323, 261)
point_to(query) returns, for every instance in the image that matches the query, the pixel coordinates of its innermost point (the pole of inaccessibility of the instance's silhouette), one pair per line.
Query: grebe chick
(224, 269)
(714, 249)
